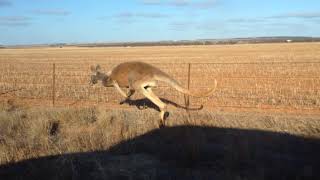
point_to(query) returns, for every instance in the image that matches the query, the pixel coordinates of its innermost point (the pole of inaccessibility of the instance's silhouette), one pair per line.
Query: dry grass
(128, 143)
(178, 54)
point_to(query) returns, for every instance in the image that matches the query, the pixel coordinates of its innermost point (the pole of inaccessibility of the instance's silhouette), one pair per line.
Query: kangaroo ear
(93, 69)
(98, 68)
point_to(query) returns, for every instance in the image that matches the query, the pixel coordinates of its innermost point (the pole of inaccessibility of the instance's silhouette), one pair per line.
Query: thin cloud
(179, 3)
(181, 26)
(304, 15)
(206, 4)
(199, 26)
(203, 4)
(5, 3)
(245, 20)
(152, 2)
(141, 15)
(51, 12)
(211, 26)
(14, 21)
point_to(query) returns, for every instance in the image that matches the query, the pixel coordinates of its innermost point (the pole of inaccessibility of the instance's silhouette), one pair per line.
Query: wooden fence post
(186, 97)
(53, 84)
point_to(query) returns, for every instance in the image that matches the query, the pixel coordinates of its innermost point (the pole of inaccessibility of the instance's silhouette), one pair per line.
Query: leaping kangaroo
(142, 77)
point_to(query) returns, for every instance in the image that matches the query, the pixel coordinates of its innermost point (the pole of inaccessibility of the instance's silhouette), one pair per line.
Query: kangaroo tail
(173, 83)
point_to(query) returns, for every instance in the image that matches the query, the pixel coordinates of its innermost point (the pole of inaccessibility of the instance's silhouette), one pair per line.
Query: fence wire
(272, 85)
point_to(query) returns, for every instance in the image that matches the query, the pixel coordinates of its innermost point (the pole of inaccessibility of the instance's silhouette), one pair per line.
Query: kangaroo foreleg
(116, 85)
(130, 93)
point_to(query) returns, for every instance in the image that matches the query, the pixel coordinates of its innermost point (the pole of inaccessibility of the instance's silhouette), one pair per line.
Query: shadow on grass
(184, 152)
(146, 103)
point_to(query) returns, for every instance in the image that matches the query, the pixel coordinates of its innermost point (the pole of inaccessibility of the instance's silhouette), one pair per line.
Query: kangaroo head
(97, 75)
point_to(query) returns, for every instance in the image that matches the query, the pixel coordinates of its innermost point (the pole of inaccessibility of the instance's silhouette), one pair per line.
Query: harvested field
(278, 77)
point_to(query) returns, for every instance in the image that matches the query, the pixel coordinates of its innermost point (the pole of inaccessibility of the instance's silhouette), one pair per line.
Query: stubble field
(262, 121)
(260, 76)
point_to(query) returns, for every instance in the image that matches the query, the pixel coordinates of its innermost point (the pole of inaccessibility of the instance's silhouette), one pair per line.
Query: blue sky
(78, 21)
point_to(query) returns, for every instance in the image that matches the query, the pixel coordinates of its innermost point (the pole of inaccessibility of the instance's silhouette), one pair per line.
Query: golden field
(263, 122)
(280, 77)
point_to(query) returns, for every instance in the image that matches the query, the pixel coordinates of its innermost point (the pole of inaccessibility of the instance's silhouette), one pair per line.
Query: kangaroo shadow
(146, 103)
(184, 152)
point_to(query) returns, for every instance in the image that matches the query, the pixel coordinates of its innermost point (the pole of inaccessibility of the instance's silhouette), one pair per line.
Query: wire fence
(265, 85)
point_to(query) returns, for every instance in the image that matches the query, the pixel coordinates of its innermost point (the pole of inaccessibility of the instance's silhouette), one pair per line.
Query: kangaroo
(141, 77)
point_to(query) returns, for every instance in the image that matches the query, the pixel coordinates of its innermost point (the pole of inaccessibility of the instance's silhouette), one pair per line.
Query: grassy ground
(99, 143)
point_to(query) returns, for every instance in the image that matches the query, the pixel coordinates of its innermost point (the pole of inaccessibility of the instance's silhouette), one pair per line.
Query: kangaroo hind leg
(147, 92)
(153, 98)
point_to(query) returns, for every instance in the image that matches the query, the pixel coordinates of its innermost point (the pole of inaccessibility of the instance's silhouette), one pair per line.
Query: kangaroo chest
(120, 78)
